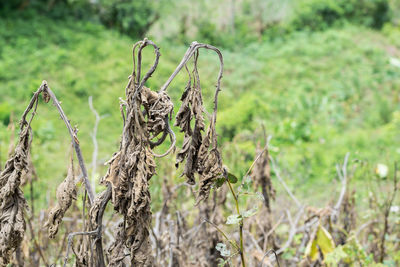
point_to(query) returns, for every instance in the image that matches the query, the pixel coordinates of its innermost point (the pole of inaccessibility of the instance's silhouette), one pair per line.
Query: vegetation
(320, 77)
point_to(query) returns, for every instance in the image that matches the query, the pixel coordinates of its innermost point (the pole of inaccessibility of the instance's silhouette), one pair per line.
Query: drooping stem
(193, 48)
(74, 139)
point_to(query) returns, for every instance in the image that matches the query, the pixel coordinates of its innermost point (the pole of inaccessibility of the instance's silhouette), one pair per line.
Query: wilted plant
(146, 116)
(12, 200)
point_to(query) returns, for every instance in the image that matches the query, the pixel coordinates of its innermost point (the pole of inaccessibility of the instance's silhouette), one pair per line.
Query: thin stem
(74, 139)
(241, 250)
(223, 234)
(386, 214)
(36, 244)
(276, 171)
(98, 240)
(95, 143)
(70, 237)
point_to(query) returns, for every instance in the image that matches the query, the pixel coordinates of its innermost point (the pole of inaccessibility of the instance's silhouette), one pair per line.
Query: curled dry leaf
(66, 193)
(158, 106)
(192, 107)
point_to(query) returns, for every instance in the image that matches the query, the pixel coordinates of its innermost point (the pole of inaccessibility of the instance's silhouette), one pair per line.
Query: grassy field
(318, 94)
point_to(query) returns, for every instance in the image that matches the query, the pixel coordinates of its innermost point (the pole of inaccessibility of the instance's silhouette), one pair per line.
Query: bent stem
(241, 249)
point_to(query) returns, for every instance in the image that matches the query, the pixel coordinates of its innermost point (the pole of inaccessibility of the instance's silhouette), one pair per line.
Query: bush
(319, 15)
(132, 17)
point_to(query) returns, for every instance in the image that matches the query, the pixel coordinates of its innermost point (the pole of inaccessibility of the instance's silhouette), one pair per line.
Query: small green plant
(238, 217)
(350, 253)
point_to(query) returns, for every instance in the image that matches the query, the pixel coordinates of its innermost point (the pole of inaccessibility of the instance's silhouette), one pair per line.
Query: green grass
(318, 94)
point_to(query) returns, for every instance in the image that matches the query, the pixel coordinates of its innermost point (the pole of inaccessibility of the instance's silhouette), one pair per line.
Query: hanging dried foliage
(146, 117)
(200, 152)
(133, 165)
(12, 201)
(66, 193)
(261, 174)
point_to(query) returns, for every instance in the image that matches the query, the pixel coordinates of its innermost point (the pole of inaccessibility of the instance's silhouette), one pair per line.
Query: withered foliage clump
(146, 117)
(12, 201)
(200, 152)
(133, 165)
(261, 174)
(66, 193)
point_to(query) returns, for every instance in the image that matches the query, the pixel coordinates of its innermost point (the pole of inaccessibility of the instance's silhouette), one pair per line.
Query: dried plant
(200, 152)
(66, 193)
(12, 201)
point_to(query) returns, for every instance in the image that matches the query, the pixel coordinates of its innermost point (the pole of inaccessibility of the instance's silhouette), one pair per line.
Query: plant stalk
(241, 250)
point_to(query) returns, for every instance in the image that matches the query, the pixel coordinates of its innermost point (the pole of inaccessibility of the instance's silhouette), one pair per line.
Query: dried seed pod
(46, 96)
(66, 193)
(12, 201)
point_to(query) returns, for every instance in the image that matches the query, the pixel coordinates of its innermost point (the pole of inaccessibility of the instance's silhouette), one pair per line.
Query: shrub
(319, 15)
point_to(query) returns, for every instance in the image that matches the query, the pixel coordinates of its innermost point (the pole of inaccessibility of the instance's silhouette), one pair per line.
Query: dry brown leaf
(66, 193)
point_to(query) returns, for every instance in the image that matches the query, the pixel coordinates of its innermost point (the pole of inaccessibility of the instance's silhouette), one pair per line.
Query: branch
(94, 139)
(98, 239)
(70, 237)
(293, 229)
(74, 139)
(386, 214)
(342, 173)
(276, 171)
(97, 232)
(194, 47)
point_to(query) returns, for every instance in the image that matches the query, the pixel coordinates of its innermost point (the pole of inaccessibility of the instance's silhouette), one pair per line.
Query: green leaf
(250, 212)
(232, 178)
(219, 182)
(222, 262)
(247, 183)
(234, 219)
(221, 247)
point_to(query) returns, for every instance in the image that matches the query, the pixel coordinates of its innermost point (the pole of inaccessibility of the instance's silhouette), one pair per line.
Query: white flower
(395, 209)
(382, 170)
(395, 62)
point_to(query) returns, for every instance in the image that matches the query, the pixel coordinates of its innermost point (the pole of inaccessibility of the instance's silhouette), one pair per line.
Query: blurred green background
(321, 76)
